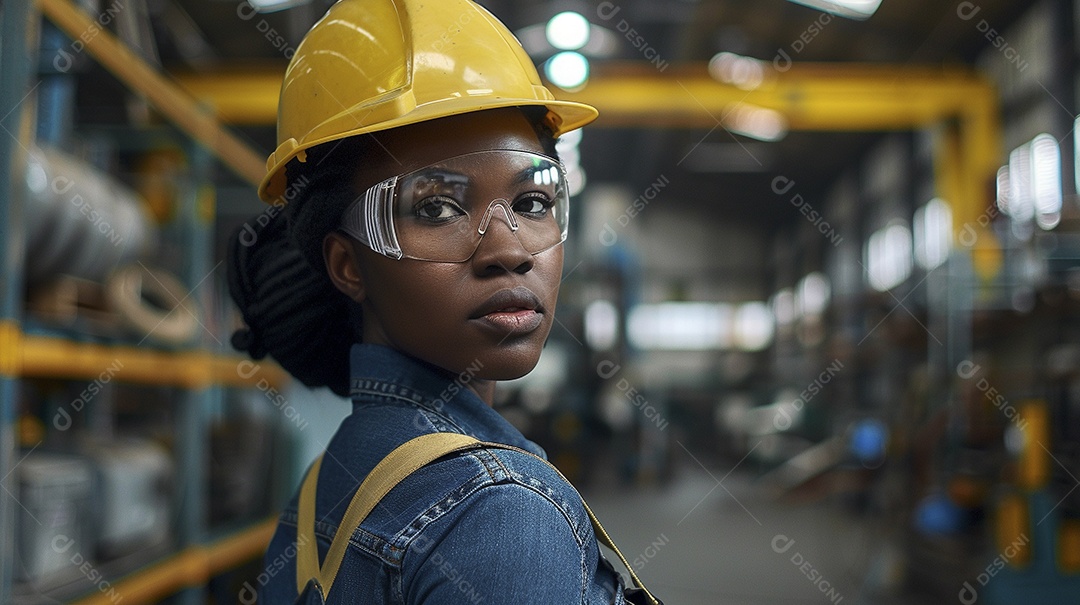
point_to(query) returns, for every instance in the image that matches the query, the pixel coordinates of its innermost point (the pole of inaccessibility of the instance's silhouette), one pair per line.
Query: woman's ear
(342, 266)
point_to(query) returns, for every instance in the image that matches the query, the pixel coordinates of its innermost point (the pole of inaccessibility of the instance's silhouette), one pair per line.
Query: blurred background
(818, 339)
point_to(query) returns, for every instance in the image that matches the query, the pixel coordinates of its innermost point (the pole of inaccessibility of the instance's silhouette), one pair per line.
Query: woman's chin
(507, 366)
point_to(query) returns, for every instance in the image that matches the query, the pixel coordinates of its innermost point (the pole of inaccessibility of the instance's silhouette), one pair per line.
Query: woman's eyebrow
(443, 175)
(527, 175)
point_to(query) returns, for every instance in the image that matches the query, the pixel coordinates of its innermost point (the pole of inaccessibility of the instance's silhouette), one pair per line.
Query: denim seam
(577, 523)
(437, 510)
(440, 421)
(510, 480)
(582, 555)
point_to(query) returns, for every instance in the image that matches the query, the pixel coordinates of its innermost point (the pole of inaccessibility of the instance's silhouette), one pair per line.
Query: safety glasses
(440, 213)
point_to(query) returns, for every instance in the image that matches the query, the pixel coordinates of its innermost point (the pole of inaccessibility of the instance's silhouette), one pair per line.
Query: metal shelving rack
(201, 373)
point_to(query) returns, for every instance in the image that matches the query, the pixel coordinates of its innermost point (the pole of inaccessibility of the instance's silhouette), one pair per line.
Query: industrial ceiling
(711, 169)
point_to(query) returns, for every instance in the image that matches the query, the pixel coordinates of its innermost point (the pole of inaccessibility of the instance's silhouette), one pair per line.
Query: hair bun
(244, 340)
(293, 311)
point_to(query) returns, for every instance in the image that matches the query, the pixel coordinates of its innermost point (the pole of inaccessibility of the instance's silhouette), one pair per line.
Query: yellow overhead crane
(822, 97)
(811, 97)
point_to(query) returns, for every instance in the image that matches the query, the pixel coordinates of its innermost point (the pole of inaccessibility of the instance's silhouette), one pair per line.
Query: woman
(417, 261)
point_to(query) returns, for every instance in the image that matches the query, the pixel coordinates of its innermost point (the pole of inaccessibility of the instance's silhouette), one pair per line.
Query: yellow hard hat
(371, 65)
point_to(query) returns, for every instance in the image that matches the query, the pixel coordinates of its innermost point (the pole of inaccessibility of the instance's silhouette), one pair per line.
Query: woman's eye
(438, 209)
(534, 206)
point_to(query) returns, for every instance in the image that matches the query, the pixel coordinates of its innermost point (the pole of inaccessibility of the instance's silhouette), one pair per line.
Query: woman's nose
(499, 249)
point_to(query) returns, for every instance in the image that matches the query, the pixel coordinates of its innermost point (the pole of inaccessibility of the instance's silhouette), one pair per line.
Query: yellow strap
(605, 539)
(307, 549)
(398, 464)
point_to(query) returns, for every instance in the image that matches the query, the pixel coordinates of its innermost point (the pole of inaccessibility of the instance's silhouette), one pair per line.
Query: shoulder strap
(307, 550)
(398, 464)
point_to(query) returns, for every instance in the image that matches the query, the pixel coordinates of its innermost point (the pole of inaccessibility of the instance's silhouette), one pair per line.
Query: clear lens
(440, 212)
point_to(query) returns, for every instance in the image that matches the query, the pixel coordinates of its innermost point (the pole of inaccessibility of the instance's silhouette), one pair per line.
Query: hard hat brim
(563, 117)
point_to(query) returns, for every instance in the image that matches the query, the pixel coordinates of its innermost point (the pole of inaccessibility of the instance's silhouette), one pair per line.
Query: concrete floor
(710, 539)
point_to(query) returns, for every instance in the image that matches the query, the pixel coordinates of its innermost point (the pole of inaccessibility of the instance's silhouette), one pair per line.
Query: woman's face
(488, 316)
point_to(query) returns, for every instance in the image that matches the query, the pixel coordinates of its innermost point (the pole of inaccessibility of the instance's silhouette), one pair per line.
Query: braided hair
(277, 276)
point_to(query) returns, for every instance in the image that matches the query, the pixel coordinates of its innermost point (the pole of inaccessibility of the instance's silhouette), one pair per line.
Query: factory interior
(818, 331)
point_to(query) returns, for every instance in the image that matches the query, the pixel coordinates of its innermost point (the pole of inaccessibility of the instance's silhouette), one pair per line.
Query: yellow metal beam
(45, 357)
(191, 567)
(811, 97)
(10, 339)
(245, 96)
(172, 102)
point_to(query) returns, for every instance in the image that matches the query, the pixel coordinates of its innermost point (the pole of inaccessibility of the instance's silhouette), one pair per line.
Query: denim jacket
(483, 526)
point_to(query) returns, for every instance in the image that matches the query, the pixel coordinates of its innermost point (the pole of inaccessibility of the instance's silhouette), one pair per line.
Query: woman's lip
(507, 321)
(506, 300)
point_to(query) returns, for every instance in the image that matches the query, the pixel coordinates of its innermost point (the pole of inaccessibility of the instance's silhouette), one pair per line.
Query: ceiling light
(852, 9)
(783, 306)
(1046, 180)
(812, 295)
(685, 326)
(756, 122)
(739, 71)
(933, 234)
(1021, 205)
(1004, 189)
(601, 325)
(567, 70)
(753, 330)
(568, 31)
(888, 257)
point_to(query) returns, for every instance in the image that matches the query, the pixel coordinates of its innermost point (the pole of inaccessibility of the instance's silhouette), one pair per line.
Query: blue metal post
(15, 60)
(196, 224)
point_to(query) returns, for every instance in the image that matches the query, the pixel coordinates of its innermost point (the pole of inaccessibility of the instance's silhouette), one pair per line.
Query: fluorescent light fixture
(1029, 187)
(933, 234)
(568, 70)
(888, 257)
(739, 71)
(1021, 205)
(1004, 189)
(753, 326)
(568, 31)
(852, 9)
(680, 326)
(1046, 180)
(812, 295)
(783, 307)
(601, 325)
(272, 6)
(756, 122)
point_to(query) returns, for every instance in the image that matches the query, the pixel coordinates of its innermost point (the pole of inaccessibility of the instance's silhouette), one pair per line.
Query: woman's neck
(485, 389)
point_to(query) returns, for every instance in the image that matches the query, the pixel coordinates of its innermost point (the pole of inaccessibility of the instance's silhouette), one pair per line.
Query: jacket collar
(382, 372)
